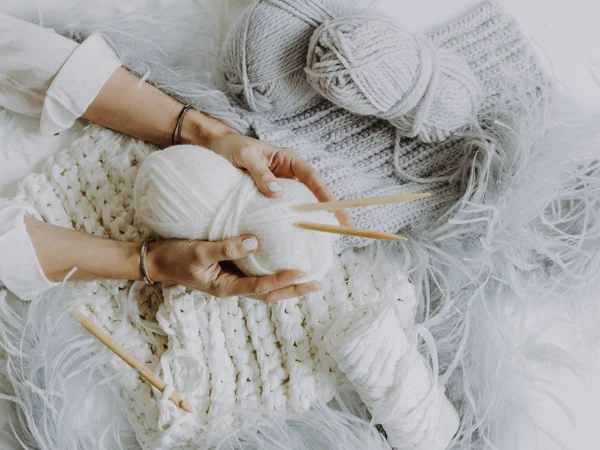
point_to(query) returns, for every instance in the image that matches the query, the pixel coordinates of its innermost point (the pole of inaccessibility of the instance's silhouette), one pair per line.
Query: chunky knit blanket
(512, 228)
(217, 353)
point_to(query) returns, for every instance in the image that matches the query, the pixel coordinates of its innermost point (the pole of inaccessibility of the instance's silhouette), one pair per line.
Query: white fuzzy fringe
(13, 141)
(523, 242)
(60, 398)
(325, 427)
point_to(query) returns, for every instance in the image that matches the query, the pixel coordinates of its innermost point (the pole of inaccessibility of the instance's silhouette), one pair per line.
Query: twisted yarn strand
(391, 377)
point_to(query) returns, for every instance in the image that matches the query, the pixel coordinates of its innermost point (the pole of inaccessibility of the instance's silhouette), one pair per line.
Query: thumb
(228, 249)
(263, 177)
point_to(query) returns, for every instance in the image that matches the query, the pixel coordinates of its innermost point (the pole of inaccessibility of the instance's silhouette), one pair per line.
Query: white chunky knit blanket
(217, 353)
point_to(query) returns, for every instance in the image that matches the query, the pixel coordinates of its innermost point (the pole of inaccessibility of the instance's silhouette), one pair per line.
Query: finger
(227, 250)
(343, 217)
(290, 292)
(233, 285)
(309, 176)
(261, 174)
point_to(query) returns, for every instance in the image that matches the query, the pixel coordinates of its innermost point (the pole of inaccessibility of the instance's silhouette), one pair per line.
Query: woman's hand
(198, 265)
(265, 163)
(141, 110)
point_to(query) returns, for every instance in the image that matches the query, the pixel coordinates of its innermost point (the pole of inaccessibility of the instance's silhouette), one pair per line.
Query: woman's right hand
(197, 264)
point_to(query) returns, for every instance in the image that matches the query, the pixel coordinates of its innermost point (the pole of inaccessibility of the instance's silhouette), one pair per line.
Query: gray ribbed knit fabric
(360, 156)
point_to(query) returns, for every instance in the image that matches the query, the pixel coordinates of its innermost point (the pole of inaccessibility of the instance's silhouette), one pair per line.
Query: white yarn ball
(190, 192)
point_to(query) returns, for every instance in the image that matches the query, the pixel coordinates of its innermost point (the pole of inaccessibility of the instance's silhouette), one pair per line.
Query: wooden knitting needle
(357, 203)
(348, 231)
(112, 345)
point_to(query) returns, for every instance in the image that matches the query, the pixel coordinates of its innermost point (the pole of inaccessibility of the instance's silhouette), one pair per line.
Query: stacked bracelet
(176, 138)
(143, 268)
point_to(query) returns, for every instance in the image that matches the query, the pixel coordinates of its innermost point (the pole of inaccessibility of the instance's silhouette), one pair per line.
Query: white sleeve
(45, 75)
(20, 270)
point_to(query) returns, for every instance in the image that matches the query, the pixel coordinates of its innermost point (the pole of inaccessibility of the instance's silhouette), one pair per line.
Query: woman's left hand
(143, 111)
(265, 163)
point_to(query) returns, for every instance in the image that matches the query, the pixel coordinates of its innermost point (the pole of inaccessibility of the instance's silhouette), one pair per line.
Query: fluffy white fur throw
(525, 238)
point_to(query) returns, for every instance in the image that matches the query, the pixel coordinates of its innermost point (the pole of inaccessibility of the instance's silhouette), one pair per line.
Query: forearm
(140, 110)
(143, 111)
(60, 249)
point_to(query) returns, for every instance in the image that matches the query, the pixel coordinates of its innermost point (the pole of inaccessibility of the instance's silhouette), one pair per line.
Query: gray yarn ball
(370, 66)
(264, 54)
(280, 54)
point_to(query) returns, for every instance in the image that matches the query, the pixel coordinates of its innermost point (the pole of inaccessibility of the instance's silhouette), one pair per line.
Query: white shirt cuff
(77, 84)
(20, 270)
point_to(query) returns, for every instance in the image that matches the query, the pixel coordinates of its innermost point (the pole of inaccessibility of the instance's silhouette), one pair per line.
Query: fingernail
(249, 244)
(274, 186)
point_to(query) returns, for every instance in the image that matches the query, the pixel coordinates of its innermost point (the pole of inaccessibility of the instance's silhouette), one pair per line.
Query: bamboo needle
(348, 231)
(358, 202)
(112, 345)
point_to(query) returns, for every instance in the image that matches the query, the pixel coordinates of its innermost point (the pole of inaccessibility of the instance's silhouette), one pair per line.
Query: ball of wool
(369, 65)
(190, 192)
(264, 55)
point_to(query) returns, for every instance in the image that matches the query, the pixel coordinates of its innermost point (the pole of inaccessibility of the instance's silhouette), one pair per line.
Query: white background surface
(567, 37)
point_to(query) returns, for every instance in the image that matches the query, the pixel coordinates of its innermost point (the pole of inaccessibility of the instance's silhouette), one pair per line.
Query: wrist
(200, 129)
(155, 263)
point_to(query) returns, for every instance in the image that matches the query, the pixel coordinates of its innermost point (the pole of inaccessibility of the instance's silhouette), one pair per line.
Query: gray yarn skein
(264, 54)
(370, 66)
(282, 53)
